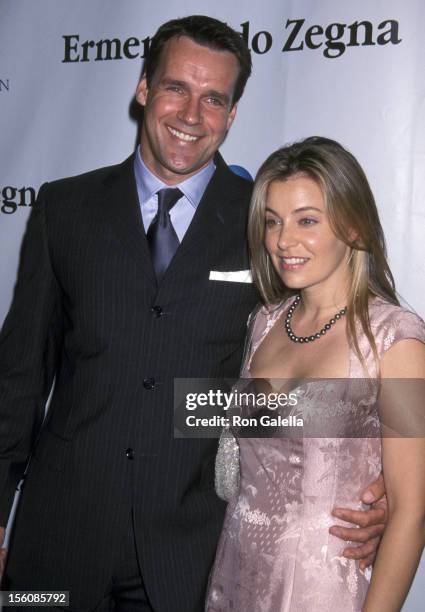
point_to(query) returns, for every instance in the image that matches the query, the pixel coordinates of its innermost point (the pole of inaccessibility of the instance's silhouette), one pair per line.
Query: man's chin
(186, 167)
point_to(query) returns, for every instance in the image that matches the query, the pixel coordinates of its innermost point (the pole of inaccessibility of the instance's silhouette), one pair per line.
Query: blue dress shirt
(148, 184)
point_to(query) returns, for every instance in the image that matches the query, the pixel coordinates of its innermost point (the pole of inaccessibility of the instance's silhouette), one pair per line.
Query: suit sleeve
(248, 338)
(29, 345)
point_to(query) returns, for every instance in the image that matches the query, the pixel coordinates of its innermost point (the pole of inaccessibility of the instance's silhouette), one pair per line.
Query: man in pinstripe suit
(114, 509)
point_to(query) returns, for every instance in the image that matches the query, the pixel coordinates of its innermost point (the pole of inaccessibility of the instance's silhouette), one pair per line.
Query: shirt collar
(148, 183)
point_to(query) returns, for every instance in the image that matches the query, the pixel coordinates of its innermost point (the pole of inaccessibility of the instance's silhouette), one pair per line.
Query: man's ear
(231, 116)
(142, 91)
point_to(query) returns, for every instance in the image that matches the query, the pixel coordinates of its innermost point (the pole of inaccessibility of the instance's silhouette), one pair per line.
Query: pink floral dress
(275, 553)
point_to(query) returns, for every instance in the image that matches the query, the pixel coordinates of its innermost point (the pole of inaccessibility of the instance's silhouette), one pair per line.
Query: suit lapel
(122, 210)
(212, 212)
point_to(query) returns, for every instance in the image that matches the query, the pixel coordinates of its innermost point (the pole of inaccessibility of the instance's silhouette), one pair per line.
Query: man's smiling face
(188, 108)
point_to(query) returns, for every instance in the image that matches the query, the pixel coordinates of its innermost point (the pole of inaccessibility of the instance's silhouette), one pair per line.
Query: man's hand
(2, 551)
(371, 524)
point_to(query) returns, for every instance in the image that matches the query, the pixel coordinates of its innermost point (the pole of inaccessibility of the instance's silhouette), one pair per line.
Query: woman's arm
(404, 472)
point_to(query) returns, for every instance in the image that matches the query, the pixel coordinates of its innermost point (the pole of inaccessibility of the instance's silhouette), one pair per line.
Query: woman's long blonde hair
(353, 217)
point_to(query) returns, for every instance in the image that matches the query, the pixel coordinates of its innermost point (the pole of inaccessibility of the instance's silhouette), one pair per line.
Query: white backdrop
(59, 118)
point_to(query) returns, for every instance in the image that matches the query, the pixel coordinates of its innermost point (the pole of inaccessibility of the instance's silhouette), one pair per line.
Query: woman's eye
(270, 222)
(307, 221)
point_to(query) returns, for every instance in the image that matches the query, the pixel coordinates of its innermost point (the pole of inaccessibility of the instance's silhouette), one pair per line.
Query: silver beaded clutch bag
(227, 466)
(227, 469)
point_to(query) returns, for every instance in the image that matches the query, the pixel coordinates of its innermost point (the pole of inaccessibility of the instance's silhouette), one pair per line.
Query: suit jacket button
(149, 383)
(129, 453)
(157, 311)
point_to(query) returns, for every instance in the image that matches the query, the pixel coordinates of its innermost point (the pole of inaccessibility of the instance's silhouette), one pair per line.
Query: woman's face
(302, 246)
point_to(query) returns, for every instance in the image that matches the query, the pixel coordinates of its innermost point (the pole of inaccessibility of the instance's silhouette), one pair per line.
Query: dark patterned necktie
(162, 238)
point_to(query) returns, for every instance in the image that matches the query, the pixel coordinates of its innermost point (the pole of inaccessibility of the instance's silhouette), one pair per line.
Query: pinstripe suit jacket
(83, 312)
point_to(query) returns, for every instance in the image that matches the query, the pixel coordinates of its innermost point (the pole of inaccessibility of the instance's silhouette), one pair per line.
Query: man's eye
(215, 101)
(174, 88)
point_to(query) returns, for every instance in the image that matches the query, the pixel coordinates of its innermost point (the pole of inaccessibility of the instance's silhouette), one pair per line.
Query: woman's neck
(317, 303)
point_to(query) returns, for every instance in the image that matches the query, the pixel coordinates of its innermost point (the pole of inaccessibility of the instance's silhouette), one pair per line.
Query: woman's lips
(292, 263)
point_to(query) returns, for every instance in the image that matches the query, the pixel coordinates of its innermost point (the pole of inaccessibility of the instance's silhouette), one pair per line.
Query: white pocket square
(240, 276)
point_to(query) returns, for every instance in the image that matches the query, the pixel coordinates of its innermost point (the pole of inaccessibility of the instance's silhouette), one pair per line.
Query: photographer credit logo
(14, 198)
(4, 85)
(332, 40)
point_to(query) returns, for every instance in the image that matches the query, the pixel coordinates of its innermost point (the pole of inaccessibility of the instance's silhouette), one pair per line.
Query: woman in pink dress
(331, 319)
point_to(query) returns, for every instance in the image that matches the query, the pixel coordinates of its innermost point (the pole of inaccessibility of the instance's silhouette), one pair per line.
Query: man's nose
(190, 112)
